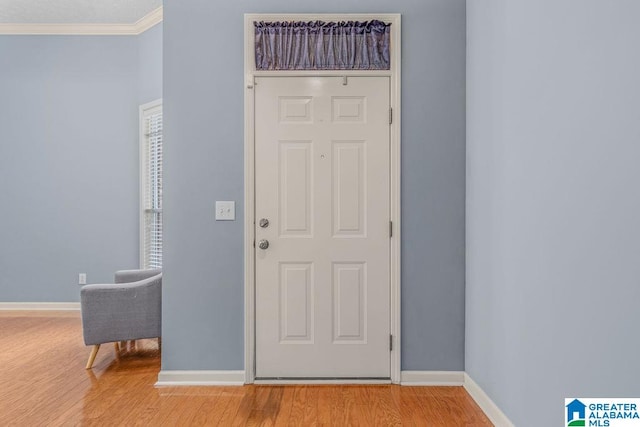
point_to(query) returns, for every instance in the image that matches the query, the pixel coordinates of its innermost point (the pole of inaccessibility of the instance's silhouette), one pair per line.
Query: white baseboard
(199, 378)
(36, 306)
(346, 381)
(491, 410)
(432, 378)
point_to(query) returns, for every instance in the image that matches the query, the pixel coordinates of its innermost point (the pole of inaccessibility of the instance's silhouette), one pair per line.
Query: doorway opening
(322, 217)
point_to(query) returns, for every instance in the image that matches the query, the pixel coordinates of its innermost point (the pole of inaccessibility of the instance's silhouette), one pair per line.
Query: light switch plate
(225, 210)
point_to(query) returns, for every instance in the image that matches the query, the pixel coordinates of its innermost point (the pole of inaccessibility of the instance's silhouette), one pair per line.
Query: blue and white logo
(602, 412)
(575, 413)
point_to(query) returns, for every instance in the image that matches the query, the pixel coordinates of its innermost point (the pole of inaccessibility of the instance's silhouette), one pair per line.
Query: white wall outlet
(225, 210)
(82, 278)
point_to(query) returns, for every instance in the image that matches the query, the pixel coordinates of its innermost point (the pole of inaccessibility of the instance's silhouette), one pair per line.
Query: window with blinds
(151, 185)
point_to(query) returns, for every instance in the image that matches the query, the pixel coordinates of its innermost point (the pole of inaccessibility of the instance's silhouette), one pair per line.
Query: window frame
(145, 110)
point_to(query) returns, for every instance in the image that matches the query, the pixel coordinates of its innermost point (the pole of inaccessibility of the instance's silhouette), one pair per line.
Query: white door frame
(249, 171)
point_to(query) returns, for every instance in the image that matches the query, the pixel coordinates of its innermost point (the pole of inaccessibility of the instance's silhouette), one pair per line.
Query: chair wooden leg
(92, 356)
(123, 345)
(117, 347)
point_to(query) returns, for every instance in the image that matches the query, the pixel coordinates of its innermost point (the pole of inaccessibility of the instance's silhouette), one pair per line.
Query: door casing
(249, 169)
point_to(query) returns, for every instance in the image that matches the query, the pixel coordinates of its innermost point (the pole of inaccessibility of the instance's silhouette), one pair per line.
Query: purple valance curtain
(319, 45)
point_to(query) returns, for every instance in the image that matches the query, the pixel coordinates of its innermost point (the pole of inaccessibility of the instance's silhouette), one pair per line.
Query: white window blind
(151, 177)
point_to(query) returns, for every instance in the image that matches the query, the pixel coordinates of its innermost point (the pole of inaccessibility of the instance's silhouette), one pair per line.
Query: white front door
(322, 183)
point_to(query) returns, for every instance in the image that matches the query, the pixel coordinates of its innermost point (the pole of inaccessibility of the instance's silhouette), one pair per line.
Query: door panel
(322, 181)
(349, 303)
(296, 304)
(349, 188)
(295, 188)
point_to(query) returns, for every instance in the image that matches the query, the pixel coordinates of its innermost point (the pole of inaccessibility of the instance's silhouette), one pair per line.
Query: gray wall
(150, 64)
(68, 162)
(553, 203)
(203, 104)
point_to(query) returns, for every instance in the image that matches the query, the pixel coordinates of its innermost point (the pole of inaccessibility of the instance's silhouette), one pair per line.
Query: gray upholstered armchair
(128, 309)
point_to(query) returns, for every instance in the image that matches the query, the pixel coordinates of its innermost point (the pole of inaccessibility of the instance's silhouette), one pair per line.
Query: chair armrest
(126, 276)
(118, 312)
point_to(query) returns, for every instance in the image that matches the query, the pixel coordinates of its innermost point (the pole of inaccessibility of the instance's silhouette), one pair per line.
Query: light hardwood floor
(43, 382)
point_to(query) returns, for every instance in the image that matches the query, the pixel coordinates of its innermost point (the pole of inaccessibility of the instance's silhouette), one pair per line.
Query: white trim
(396, 192)
(199, 378)
(149, 20)
(432, 378)
(491, 410)
(344, 381)
(249, 185)
(38, 306)
(249, 215)
(320, 73)
(143, 24)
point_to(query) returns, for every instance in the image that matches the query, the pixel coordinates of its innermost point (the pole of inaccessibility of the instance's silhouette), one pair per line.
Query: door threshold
(320, 381)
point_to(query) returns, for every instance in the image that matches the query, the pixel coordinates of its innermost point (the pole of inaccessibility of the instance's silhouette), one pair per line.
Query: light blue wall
(553, 203)
(150, 64)
(68, 162)
(203, 105)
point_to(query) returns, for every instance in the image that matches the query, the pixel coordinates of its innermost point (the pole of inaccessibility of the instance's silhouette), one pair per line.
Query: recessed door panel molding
(349, 109)
(349, 188)
(349, 303)
(296, 303)
(295, 188)
(295, 109)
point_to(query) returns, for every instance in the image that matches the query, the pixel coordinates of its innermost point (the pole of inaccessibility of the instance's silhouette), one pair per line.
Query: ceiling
(75, 11)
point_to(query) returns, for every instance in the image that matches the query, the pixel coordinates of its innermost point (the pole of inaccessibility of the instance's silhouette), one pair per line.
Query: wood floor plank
(286, 403)
(228, 417)
(310, 410)
(361, 405)
(44, 383)
(296, 416)
(324, 407)
(383, 411)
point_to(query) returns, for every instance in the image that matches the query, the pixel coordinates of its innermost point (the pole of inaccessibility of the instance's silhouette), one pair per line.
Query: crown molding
(149, 20)
(143, 24)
